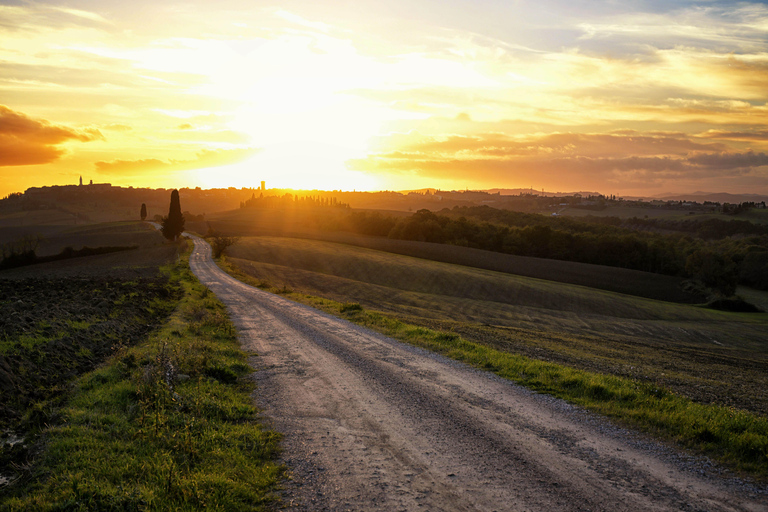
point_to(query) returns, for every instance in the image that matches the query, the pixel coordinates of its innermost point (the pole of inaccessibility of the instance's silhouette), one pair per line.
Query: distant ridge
(698, 196)
(518, 191)
(716, 197)
(502, 191)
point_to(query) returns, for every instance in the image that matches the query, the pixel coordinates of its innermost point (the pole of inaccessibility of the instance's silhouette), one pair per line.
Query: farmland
(627, 212)
(60, 319)
(96, 355)
(149, 253)
(301, 225)
(708, 356)
(683, 260)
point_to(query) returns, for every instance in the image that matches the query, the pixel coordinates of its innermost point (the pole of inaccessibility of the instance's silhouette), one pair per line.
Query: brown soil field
(53, 329)
(709, 356)
(101, 235)
(62, 318)
(631, 282)
(46, 223)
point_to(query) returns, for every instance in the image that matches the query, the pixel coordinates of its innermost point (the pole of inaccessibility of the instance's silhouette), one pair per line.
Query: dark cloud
(26, 141)
(756, 135)
(730, 160)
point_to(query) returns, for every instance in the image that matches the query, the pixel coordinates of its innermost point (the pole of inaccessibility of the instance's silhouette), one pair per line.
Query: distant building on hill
(80, 188)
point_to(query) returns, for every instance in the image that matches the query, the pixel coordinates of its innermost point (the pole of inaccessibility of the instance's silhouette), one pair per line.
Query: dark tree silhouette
(219, 243)
(19, 252)
(143, 211)
(173, 224)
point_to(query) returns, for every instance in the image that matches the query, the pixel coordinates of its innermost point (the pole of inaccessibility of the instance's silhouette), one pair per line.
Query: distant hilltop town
(105, 187)
(83, 199)
(90, 187)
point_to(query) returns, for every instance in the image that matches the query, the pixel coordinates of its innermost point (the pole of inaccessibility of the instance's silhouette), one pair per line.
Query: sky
(634, 98)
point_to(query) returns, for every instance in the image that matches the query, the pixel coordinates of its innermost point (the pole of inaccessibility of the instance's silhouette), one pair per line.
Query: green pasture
(756, 216)
(627, 212)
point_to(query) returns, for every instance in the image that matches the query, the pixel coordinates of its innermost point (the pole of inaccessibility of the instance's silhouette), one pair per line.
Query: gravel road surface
(373, 424)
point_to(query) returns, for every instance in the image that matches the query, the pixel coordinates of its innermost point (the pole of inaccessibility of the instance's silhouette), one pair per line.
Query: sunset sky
(631, 98)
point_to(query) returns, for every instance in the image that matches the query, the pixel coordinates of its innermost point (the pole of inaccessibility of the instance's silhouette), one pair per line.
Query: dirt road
(372, 424)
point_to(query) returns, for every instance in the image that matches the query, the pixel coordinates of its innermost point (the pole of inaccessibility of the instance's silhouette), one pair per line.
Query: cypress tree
(143, 211)
(173, 224)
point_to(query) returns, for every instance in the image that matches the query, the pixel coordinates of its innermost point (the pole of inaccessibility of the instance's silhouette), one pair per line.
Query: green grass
(166, 425)
(734, 436)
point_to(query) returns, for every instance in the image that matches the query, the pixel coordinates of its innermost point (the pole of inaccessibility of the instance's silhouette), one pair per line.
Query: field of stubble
(708, 356)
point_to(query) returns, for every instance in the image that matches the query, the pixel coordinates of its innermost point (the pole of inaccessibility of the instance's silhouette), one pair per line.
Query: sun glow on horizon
(316, 166)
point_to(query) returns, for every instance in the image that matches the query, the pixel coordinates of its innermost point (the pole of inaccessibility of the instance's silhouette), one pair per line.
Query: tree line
(291, 201)
(12, 259)
(719, 254)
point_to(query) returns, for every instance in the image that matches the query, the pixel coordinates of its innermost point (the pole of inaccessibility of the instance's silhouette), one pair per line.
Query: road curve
(373, 424)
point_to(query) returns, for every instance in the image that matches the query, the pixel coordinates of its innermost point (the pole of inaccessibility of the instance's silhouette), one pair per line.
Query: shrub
(350, 306)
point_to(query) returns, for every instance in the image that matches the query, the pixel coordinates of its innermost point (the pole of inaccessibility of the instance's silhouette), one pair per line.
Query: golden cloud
(618, 143)
(564, 159)
(205, 158)
(118, 127)
(26, 141)
(190, 132)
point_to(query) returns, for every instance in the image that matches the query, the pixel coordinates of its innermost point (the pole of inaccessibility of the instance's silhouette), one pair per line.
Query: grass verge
(737, 438)
(165, 425)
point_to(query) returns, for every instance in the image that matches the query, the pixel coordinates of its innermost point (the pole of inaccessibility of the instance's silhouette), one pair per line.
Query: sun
(295, 100)
(306, 134)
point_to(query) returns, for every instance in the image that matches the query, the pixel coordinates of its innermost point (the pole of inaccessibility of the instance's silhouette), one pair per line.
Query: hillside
(703, 354)
(294, 224)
